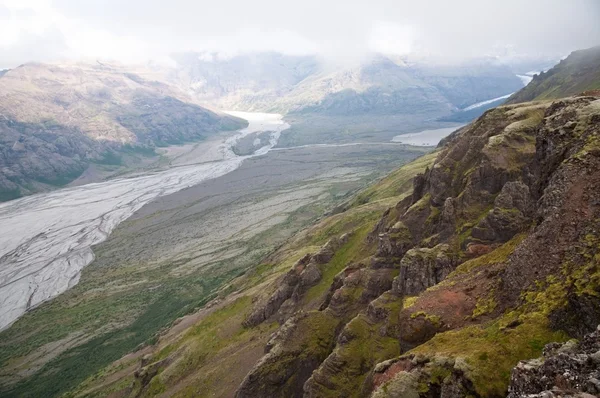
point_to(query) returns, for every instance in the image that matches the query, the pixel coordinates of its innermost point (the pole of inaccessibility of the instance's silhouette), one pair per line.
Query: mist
(343, 31)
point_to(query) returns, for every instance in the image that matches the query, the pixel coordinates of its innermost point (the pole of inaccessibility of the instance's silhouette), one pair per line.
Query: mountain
(380, 84)
(435, 281)
(249, 82)
(371, 101)
(56, 120)
(579, 72)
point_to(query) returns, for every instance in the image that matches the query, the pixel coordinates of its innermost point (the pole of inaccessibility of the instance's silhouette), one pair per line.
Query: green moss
(365, 348)
(319, 329)
(421, 204)
(434, 319)
(485, 305)
(498, 255)
(401, 232)
(434, 214)
(491, 351)
(410, 301)
(438, 374)
(155, 387)
(397, 184)
(354, 249)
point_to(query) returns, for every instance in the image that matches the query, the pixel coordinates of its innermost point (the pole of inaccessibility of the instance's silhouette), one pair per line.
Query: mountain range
(472, 271)
(379, 84)
(61, 120)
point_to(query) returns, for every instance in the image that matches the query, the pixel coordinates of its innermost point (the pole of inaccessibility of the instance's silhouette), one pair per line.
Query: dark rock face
(422, 268)
(293, 352)
(514, 193)
(571, 369)
(304, 274)
(579, 316)
(33, 157)
(512, 214)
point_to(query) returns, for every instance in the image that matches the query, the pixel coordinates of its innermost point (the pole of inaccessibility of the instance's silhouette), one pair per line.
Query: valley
(164, 242)
(267, 199)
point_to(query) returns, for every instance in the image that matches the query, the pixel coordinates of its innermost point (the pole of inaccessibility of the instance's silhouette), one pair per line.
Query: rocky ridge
(577, 73)
(458, 254)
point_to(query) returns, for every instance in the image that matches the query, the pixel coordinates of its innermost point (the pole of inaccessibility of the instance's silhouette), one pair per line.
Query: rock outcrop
(303, 274)
(571, 369)
(455, 254)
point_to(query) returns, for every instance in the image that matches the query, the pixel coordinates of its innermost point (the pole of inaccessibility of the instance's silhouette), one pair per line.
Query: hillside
(58, 119)
(436, 285)
(579, 72)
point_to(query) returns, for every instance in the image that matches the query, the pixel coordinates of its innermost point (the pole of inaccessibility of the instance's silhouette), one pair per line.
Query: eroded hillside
(434, 289)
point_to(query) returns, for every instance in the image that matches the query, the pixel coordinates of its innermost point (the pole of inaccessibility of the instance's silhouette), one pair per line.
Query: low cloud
(343, 31)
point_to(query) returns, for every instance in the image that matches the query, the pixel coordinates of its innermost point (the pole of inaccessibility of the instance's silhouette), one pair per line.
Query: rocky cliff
(491, 257)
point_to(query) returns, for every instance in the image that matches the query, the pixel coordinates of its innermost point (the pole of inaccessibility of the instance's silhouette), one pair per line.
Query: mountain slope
(57, 119)
(579, 72)
(434, 289)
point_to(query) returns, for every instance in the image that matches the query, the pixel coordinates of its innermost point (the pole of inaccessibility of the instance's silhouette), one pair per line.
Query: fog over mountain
(340, 31)
(299, 199)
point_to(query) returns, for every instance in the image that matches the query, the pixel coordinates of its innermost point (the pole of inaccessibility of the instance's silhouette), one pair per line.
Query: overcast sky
(139, 30)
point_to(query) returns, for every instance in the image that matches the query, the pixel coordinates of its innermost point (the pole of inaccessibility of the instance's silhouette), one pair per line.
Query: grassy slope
(579, 72)
(211, 357)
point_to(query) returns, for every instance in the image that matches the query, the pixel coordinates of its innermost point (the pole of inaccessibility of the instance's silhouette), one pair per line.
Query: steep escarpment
(439, 287)
(55, 120)
(491, 257)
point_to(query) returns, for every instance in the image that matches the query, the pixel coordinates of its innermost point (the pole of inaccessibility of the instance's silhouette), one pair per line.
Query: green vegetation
(485, 305)
(365, 348)
(353, 250)
(492, 350)
(162, 307)
(577, 73)
(498, 255)
(397, 184)
(433, 319)
(310, 342)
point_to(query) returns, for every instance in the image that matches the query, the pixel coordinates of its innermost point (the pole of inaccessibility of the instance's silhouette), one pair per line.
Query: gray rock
(565, 370)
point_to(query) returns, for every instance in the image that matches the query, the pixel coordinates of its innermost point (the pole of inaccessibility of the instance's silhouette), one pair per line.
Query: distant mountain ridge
(579, 72)
(381, 84)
